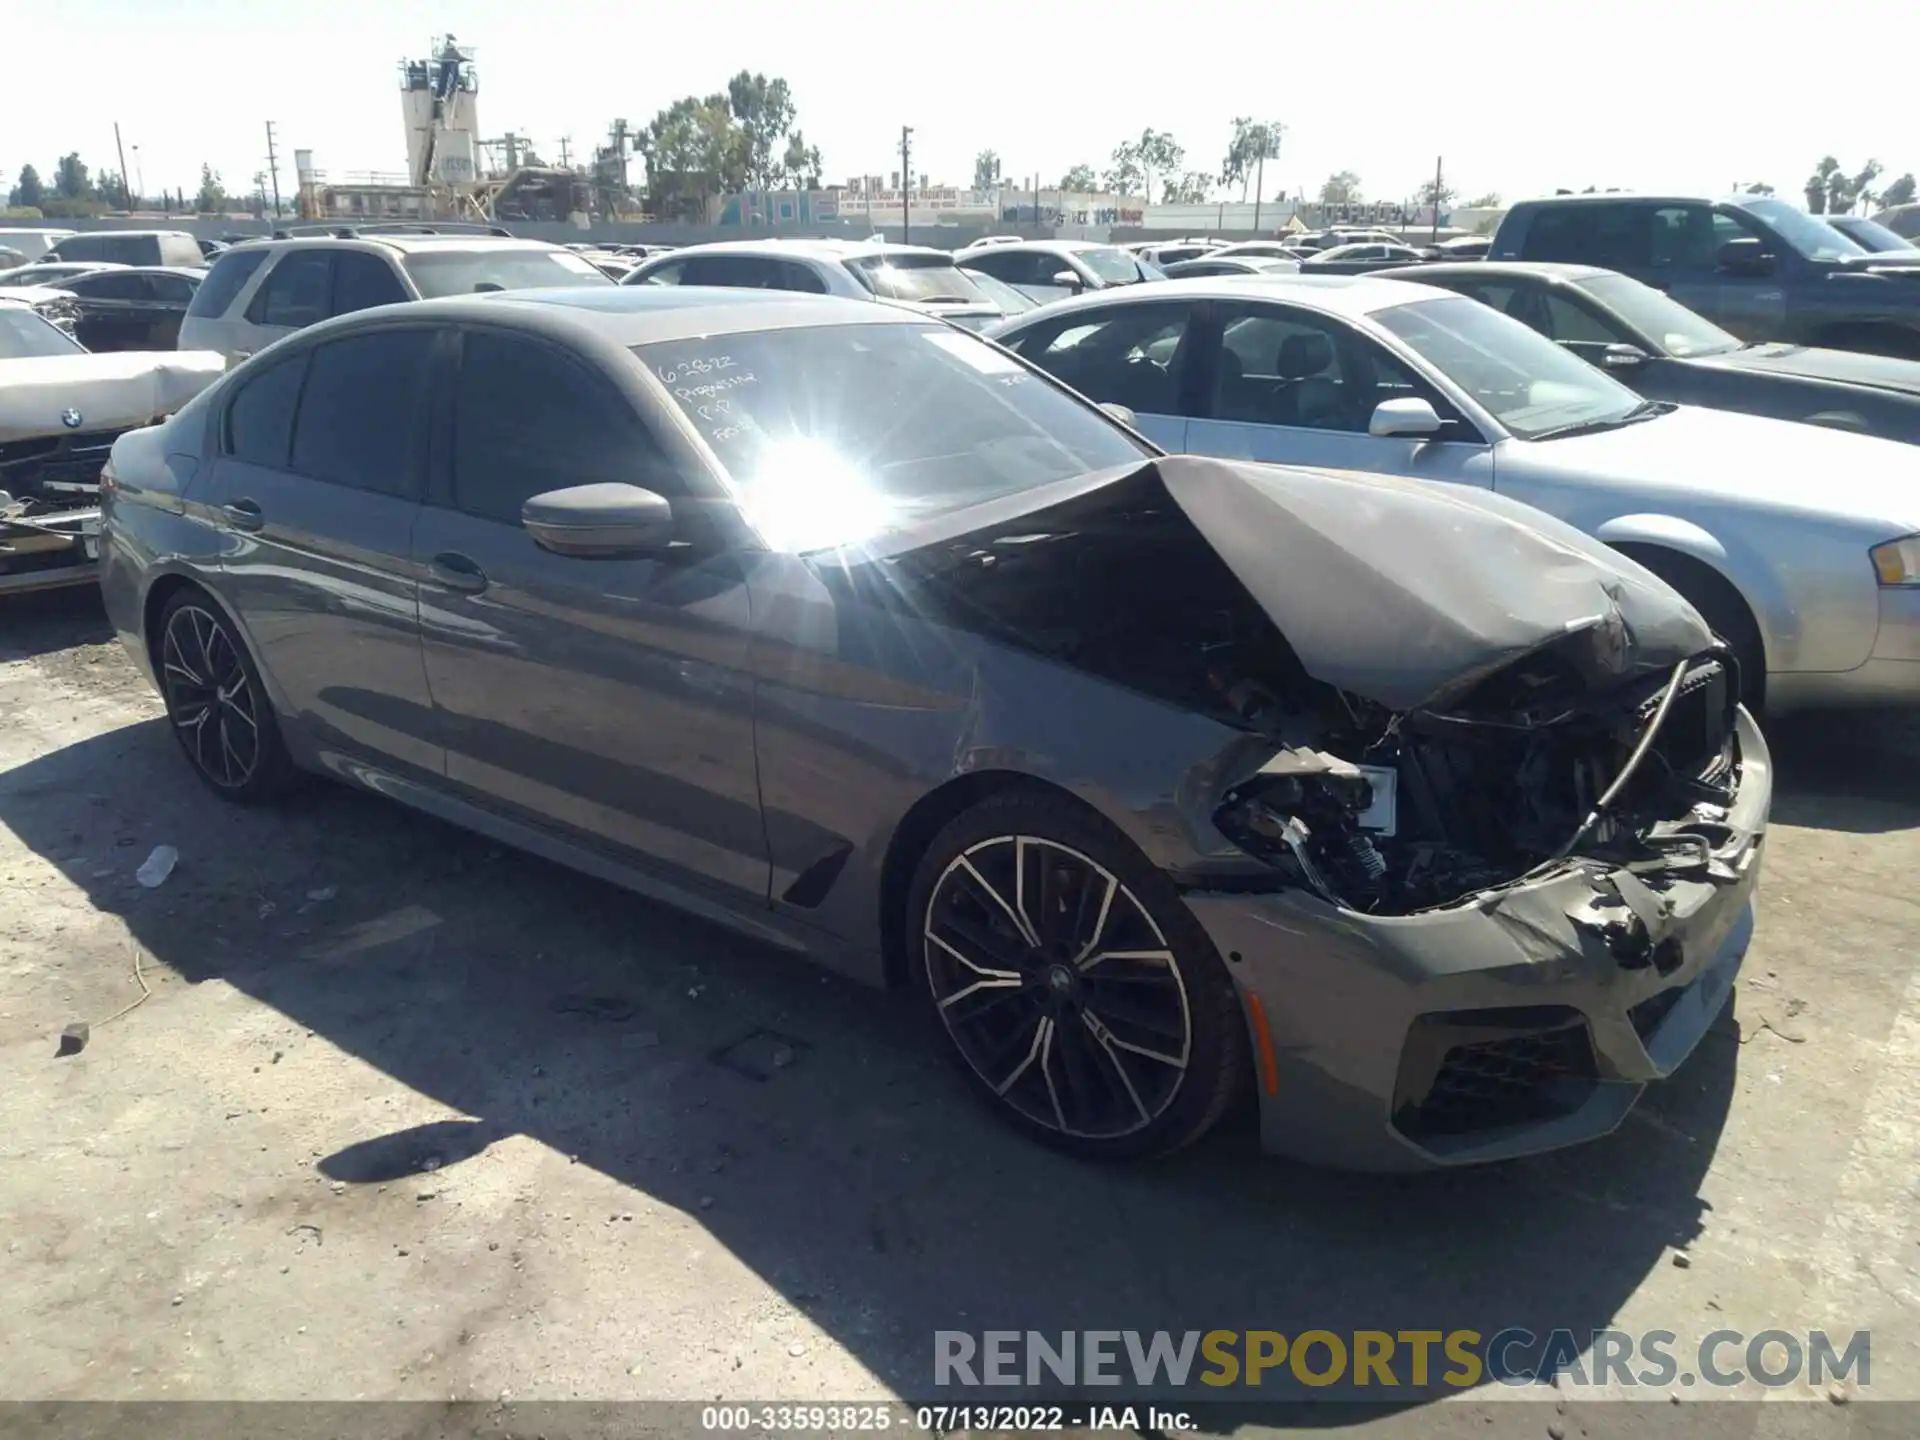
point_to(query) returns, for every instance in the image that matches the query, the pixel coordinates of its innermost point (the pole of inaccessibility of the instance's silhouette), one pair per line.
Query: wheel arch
(162, 590)
(1639, 537)
(916, 831)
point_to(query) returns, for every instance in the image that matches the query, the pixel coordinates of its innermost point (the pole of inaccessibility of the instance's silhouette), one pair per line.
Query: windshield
(1009, 300)
(1813, 238)
(1676, 329)
(1871, 234)
(1115, 266)
(832, 434)
(916, 277)
(1528, 383)
(461, 272)
(25, 336)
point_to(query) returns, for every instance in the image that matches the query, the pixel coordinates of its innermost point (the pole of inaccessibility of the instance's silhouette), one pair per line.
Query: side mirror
(1412, 418)
(1121, 413)
(1745, 256)
(599, 520)
(1069, 280)
(1623, 357)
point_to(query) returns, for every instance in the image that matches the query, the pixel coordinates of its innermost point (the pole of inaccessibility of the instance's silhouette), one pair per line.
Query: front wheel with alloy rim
(1075, 988)
(215, 702)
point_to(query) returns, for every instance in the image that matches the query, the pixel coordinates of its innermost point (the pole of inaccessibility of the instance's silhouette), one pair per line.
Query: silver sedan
(1799, 545)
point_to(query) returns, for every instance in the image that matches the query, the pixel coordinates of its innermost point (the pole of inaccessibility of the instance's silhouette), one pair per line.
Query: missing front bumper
(1503, 1026)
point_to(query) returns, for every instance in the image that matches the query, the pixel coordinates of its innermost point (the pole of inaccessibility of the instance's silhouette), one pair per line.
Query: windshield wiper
(1645, 410)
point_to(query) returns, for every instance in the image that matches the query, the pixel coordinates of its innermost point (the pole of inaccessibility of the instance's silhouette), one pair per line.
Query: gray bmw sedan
(1158, 779)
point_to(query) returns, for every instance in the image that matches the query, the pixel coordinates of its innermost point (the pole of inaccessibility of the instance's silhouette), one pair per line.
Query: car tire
(1120, 1034)
(216, 705)
(1723, 608)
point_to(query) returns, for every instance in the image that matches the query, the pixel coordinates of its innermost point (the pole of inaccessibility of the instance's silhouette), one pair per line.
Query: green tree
(1080, 179)
(801, 163)
(1252, 142)
(1340, 188)
(1440, 195)
(1489, 201)
(1820, 185)
(70, 178)
(212, 199)
(1124, 175)
(1860, 187)
(1158, 154)
(29, 191)
(695, 150)
(113, 190)
(1898, 192)
(1192, 188)
(986, 170)
(763, 110)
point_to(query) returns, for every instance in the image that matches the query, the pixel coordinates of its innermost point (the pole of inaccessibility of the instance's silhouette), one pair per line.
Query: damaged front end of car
(1481, 854)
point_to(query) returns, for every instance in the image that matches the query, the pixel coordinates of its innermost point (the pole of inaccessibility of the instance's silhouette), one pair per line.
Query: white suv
(914, 275)
(260, 290)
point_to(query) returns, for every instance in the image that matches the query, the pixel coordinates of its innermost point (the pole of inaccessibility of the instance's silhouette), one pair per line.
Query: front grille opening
(1465, 1072)
(1649, 1013)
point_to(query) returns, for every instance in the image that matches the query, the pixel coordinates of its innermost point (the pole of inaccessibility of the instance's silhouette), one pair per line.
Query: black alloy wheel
(1076, 992)
(216, 704)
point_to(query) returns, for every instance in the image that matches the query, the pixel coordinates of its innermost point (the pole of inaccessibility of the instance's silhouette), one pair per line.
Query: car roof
(186, 272)
(137, 234)
(1638, 197)
(1068, 247)
(830, 250)
(644, 314)
(1519, 269)
(406, 244)
(1349, 296)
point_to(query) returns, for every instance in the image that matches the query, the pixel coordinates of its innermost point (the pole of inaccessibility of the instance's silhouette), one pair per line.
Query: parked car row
(1158, 779)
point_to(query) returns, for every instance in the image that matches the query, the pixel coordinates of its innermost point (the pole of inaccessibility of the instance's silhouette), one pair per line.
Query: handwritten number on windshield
(686, 369)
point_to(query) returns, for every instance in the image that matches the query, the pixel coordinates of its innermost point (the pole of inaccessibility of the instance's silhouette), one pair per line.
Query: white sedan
(61, 409)
(1799, 545)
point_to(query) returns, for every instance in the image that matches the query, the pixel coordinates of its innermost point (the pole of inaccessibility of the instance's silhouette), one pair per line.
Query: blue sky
(1518, 98)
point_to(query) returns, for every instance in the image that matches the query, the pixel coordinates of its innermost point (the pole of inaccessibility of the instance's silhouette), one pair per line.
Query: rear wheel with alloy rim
(216, 704)
(1076, 990)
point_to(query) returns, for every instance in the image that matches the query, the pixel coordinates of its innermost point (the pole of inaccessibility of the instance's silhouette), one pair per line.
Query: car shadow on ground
(43, 621)
(1858, 772)
(811, 1125)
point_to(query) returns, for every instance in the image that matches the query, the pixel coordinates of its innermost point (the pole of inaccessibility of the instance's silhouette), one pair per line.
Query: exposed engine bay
(1579, 746)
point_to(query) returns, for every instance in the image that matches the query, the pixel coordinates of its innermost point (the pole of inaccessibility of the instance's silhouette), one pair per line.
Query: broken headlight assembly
(1530, 770)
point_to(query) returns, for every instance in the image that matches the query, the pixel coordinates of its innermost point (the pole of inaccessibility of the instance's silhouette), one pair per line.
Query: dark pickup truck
(1756, 266)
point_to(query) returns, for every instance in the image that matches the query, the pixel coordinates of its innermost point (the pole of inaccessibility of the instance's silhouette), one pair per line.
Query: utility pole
(126, 193)
(1435, 237)
(566, 152)
(273, 170)
(906, 184)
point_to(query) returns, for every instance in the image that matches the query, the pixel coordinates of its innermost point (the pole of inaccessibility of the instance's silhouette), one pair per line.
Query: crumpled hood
(1407, 591)
(1880, 372)
(107, 391)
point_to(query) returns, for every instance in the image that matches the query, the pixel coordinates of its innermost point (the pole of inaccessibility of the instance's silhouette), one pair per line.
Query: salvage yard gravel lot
(409, 1116)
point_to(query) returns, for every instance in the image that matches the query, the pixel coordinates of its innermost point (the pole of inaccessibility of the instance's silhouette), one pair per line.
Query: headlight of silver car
(1898, 561)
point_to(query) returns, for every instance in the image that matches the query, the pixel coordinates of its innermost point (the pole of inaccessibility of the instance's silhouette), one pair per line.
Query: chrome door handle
(457, 572)
(243, 514)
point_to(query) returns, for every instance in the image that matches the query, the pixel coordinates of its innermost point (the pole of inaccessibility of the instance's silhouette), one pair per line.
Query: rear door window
(171, 289)
(225, 281)
(1612, 236)
(259, 419)
(297, 290)
(110, 285)
(1129, 355)
(735, 272)
(362, 281)
(361, 412)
